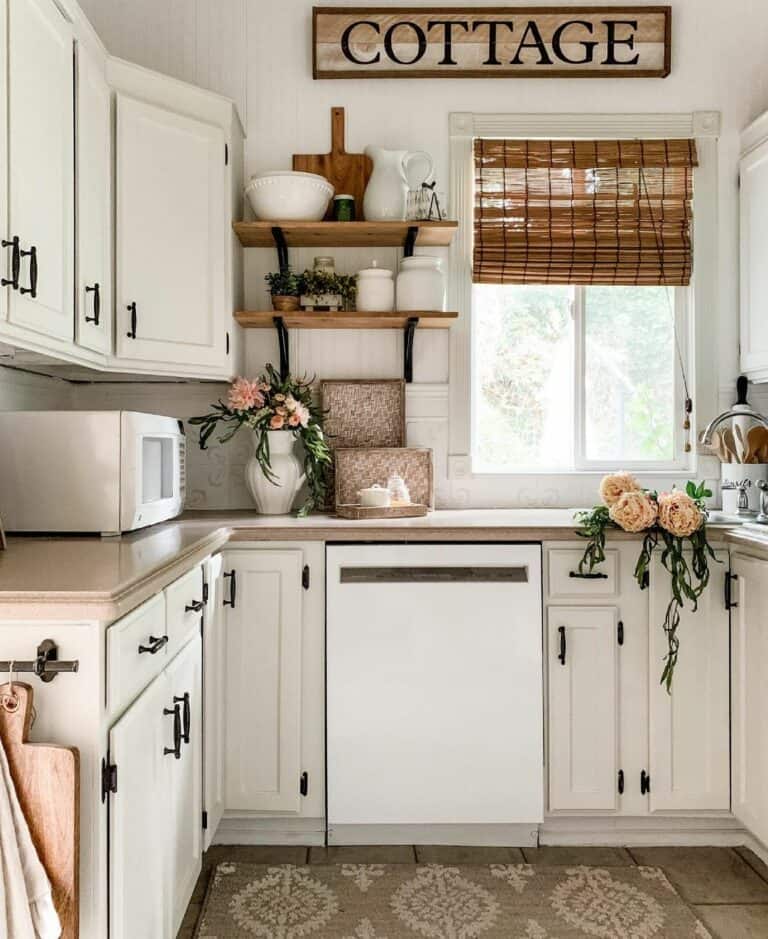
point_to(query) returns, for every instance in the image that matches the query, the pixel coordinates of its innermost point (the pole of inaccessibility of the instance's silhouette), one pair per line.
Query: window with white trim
(580, 305)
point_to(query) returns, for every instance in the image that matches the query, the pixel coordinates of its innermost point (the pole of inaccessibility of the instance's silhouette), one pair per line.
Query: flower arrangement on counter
(674, 520)
(271, 403)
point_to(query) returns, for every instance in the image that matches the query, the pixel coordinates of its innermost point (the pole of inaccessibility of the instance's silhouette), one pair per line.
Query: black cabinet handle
(96, 305)
(194, 607)
(561, 653)
(15, 263)
(645, 783)
(176, 748)
(156, 644)
(131, 334)
(184, 699)
(32, 255)
(621, 782)
(232, 588)
(597, 575)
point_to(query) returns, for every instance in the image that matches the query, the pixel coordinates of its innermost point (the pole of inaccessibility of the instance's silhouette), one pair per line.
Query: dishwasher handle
(433, 575)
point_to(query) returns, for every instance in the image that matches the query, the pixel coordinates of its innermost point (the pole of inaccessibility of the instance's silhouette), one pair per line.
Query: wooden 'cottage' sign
(492, 42)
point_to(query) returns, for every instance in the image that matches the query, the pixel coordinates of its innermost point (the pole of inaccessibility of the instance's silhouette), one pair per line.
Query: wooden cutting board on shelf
(346, 172)
(47, 781)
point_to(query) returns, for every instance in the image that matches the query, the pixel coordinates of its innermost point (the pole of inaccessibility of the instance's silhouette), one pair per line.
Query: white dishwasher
(434, 693)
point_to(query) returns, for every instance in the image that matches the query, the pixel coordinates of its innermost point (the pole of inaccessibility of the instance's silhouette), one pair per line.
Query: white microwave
(90, 471)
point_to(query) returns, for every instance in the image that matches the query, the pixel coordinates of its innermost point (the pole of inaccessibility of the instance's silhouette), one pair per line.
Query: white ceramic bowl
(285, 195)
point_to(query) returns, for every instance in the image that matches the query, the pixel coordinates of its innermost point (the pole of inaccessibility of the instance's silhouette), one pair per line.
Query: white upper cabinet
(93, 298)
(171, 238)
(41, 166)
(750, 694)
(753, 173)
(690, 728)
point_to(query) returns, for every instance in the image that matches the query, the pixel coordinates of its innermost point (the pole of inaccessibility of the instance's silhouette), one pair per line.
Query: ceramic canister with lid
(421, 284)
(375, 290)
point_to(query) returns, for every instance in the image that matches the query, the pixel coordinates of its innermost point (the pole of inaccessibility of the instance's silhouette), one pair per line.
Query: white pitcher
(386, 195)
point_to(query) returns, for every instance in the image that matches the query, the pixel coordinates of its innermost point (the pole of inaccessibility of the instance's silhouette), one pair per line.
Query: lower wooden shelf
(250, 319)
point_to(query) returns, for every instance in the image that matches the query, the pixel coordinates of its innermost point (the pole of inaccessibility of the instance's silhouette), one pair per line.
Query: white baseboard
(721, 830)
(523, 836)
(252, 829)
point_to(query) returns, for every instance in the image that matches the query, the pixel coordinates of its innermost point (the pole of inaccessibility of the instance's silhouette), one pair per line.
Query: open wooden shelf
(345, 234)
(250, 319)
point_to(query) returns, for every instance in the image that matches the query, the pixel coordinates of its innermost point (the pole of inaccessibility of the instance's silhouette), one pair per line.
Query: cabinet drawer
(564, 580)
(137, 651)
(184, 608)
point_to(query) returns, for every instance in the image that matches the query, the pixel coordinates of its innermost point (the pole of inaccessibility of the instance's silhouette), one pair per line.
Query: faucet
(706, 440)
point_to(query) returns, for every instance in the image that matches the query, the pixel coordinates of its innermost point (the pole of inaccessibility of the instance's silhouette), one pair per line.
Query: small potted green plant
(284, 288)
(325, 290)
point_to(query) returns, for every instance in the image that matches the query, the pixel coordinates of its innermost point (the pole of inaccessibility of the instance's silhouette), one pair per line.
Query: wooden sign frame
(375, 29)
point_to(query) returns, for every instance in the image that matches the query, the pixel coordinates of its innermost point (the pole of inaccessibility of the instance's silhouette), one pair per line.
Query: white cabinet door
(170, 228)
(41, 165)
(582, 653)
(263, 593)
(689, 730)
(93, 300)
(214, 650)
(750, 694)
(754, 270)
(6, 254)
(184, 689)
(139, 817)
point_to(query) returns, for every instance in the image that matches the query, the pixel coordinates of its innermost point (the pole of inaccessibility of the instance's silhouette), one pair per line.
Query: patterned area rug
(496, 901)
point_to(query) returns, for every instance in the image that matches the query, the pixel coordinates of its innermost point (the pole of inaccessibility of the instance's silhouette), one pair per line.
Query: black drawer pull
(156, 644)
(32, 255)
(15, 263)
(232, 588)
(561, 653)
(597, 575)
(184, 699)
(131, 334)
(96, 305)
(194, 607)
(176, 748)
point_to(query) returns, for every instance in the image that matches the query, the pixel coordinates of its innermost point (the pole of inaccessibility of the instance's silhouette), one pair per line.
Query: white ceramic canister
(375, 290)
(421, 284)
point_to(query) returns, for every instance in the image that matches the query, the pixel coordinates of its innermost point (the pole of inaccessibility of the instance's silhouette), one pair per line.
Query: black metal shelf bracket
(46, 665)
(282, 247)
(282, 341)
(410, 241)
(408, 334)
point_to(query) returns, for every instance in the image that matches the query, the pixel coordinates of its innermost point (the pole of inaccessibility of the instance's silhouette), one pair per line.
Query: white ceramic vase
(276, 498)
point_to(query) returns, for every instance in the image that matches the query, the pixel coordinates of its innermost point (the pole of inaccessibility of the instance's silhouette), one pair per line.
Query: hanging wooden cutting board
(47, 781)
(346, 172)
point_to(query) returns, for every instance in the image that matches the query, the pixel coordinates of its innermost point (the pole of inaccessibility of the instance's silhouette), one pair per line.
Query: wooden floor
(726, 887)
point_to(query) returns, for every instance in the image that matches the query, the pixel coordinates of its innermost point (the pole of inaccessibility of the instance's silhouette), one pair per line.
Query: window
(582, 258)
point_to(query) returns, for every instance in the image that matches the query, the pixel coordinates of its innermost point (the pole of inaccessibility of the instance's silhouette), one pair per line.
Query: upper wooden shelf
(345, 234)
(252, 319)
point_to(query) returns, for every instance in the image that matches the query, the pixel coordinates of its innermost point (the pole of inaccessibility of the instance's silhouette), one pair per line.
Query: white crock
(375, 290)
(421, 284)
(276, 498)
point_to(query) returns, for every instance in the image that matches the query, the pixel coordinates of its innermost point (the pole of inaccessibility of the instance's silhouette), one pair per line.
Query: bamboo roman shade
(583, 211)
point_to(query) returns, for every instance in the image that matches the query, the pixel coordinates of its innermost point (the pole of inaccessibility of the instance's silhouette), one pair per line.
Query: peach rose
(679, 514)
(276, 422)
(244, 394)
(613, 487)
(293, 420)
(634, 511)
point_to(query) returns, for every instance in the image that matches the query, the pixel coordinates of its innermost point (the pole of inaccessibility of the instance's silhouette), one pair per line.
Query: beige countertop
(87, 577)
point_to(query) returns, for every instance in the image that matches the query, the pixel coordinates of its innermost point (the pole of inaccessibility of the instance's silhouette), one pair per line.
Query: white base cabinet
(753, 212)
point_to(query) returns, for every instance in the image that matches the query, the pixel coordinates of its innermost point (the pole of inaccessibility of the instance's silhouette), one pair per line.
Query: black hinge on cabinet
(620, 632)
(645, 783)
(304, 783)
(728, 590)
(305, 577)
(226, 154)
(108, 779)
(205, 820)
(621, 782)
(205, 591)
(227, 343)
